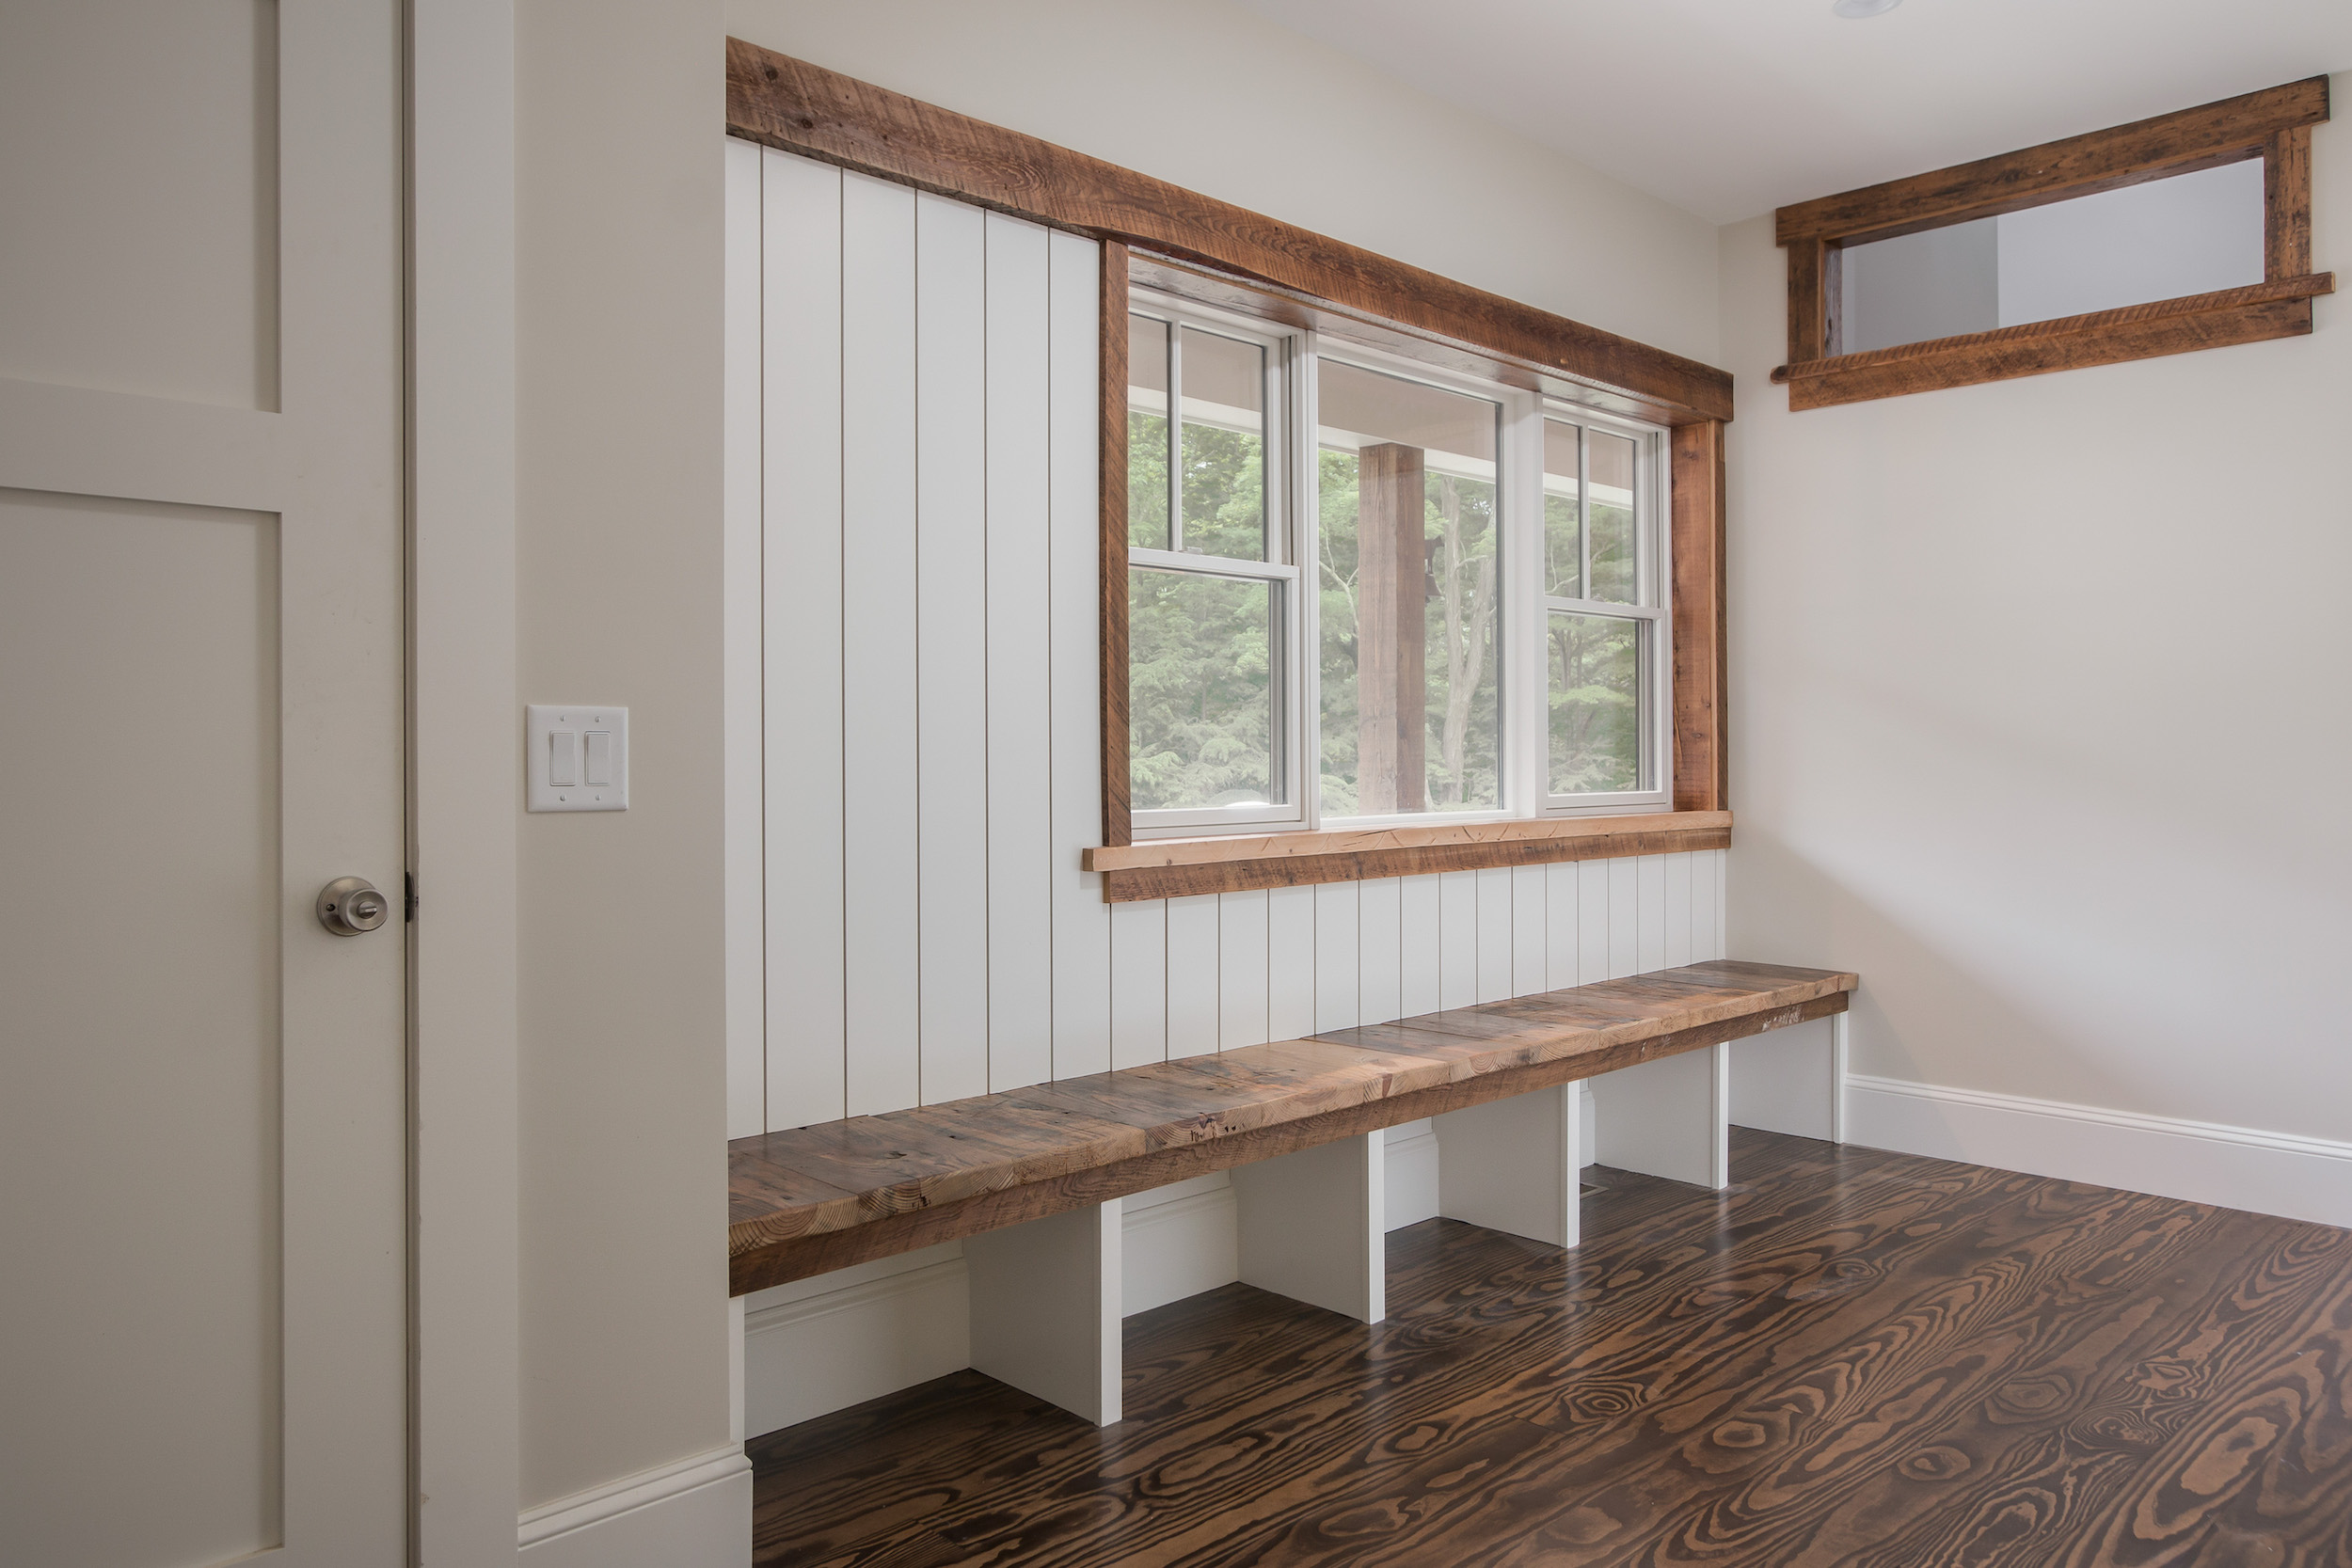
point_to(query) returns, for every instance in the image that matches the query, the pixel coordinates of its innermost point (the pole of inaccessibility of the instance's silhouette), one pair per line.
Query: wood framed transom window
(1445, 570)
(2263, 292)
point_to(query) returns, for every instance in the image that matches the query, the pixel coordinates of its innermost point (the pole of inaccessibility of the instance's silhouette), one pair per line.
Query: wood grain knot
(1938, 1463)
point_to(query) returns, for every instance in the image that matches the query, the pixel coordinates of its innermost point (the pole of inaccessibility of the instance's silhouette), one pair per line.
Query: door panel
(203, 1111)
(146, 261)
(154, 736)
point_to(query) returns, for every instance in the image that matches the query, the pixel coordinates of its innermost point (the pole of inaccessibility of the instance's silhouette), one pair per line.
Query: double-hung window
(1364, 591)
(1213, 611)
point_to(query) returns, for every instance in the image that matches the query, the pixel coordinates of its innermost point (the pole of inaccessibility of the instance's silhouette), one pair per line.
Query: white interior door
(201, 1090)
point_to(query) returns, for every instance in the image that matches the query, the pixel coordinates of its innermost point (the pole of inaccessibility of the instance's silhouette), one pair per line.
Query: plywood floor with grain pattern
(1849, 1357)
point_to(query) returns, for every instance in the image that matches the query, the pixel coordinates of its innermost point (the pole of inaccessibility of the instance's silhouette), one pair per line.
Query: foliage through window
(1361, 591)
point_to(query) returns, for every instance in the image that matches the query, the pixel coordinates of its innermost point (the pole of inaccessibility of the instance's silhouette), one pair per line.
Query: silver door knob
(350, 905)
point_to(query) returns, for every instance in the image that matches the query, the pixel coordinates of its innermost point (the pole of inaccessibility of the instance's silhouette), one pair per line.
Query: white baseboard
(693, 1514)
(1409, 1172)
(1179, 1241)
(824, 1344)
(2200, 1161)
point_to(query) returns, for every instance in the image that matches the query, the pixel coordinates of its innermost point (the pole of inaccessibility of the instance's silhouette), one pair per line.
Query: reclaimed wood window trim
(2273, 125)
(1193, 245)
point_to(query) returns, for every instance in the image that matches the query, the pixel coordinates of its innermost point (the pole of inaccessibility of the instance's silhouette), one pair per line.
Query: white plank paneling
(1592, 922)
(745, 725)
(1290, 967)
(1677, 910)
(1458, 939)
(1705, 906)
(1192, 977)
(1559, 924)
(1624, 918)
(1379, 972)
(1649, 907)
(1339, 955)
(951, 375)
(1020, 709)
(879, 702)
(1082, 926)
(801, 441)
(1138, 983)
(1528, 957)
(1241, 969)
(1420, 977)
(1496, 949)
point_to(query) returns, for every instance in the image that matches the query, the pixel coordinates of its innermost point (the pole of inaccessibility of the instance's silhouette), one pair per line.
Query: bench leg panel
(1670, 1118)
(1046, 1308)
(1788, 1081)
(1311, 1227)
(1511, 1164)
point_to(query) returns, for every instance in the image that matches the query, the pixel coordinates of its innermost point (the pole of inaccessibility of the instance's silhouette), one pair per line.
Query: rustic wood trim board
(2273, 125)
(818, 1199)
(1118, 776)
(1178, 867)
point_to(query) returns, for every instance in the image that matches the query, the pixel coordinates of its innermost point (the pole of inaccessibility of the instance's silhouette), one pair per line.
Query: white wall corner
(2231, 1168)
(696, 1512)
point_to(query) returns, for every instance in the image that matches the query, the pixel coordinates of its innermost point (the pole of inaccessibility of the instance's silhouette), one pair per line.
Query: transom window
(1364, 592)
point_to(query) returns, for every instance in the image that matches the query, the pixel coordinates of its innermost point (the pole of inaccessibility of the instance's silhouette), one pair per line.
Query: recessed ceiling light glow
(1865, 8)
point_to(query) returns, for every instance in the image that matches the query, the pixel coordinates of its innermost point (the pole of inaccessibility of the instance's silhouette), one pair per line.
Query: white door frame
(465, 784)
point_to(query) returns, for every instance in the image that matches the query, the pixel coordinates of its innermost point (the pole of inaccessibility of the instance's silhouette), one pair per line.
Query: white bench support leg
(1312, 1227)
(1511, 1164)
(1792, 1080)
(1046, 1308)
(1671, 1118)
(1838, 1066)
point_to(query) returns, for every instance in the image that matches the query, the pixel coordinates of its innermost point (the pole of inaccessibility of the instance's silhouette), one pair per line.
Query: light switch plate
(543, 722)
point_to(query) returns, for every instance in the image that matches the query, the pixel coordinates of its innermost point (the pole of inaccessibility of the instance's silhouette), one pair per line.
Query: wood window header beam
(783, 103)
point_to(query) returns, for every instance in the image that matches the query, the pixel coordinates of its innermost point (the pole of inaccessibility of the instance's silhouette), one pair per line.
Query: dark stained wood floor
(1849, 1357)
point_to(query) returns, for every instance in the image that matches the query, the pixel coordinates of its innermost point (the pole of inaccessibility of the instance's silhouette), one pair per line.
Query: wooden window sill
(2281, 308)
(1180, 867)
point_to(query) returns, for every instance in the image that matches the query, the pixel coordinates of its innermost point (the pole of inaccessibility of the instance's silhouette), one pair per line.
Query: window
(1213, 589)
(1365, 592)
(2190, 230)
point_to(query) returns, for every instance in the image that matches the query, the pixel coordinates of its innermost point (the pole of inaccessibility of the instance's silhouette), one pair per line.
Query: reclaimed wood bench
(813, 1199)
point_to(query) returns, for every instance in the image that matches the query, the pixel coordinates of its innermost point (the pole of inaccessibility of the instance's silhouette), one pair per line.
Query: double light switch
(576, 758)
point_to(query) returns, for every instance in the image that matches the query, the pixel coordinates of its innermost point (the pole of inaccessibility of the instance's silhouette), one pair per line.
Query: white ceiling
(1732, 107)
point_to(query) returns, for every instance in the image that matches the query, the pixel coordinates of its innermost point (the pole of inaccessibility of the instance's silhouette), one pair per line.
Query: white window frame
(1653, 607)
(1284, 532)
(1522, 611)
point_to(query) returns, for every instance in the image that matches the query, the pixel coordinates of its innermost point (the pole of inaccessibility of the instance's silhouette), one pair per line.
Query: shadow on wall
(1913, 994)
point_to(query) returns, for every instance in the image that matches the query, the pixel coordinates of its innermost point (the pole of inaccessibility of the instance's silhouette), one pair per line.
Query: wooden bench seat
(818, 1199)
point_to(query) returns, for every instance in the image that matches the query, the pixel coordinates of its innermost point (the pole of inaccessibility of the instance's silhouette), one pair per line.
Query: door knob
(350, 905)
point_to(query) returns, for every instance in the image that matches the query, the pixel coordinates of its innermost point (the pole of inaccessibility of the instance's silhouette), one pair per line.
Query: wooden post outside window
(1392, 631)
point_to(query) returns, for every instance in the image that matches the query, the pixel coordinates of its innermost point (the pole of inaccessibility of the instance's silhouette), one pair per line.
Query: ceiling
(1729, 108)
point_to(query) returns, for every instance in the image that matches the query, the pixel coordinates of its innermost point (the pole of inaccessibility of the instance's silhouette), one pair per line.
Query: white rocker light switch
(576, 758)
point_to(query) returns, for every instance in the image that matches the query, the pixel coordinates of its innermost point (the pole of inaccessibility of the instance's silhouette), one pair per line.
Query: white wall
(2038, 723)
(2191, 234)
(1220, 101)
(1937, 283)
(625, 1337)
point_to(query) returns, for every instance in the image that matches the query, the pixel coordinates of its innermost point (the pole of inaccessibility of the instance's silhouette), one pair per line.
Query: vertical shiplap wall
(925, 533)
